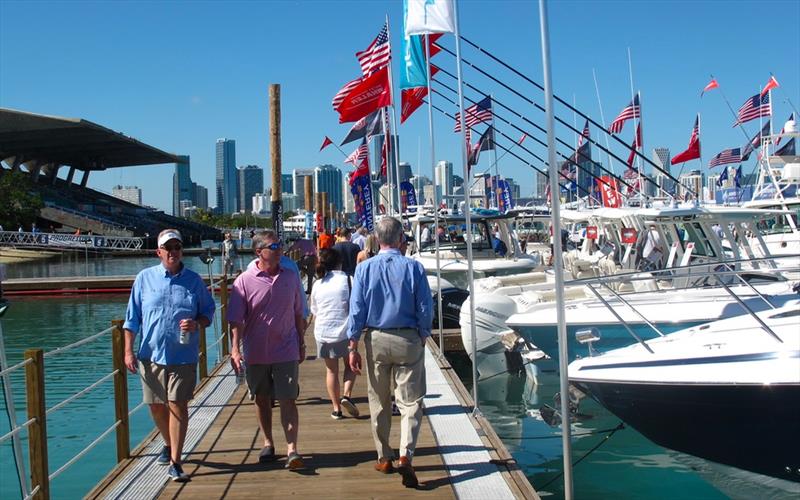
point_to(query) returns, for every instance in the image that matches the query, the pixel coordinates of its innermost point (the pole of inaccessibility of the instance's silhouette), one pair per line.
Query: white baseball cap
(169, 235)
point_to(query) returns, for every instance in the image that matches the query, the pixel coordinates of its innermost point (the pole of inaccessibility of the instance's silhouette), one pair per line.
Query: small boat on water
(726, 391)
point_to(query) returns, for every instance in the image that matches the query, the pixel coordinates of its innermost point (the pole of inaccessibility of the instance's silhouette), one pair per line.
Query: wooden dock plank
(339, 454)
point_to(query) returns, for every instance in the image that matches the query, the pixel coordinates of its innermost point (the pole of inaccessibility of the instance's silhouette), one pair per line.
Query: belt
(394, 330)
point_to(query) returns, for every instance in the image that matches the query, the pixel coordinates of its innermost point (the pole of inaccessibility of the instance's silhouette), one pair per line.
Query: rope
(554, 436)
(138, 407)
(81, 393)
(576, 462)
(59, 350)
(32, 493)
(85, 450)
(16, 430)
(18, 365)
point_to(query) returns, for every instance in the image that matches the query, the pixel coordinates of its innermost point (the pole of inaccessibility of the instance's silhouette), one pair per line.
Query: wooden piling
(37, 431)
(275, 156)
(120, 391)
(202, 360)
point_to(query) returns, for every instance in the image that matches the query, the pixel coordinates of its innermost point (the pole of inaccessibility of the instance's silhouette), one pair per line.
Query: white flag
(429, 16)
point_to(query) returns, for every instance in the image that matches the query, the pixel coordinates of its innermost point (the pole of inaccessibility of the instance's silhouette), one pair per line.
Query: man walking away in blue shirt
(391, 299)
(168, 304)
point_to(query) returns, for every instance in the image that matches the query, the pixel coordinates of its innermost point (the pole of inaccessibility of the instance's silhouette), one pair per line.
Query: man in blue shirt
(391, 299)
(168, 304)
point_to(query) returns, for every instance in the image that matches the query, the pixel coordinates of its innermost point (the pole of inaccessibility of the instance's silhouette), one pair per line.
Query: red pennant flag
(637, 142)
(371, 94)
(522, 139)
(411, 99)
(693, 151)
(327, 142)
(711, 85)
(771, 84)
(384, 156)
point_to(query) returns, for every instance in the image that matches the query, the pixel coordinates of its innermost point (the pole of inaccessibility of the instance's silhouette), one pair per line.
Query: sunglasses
(172, 248)
(272, 246)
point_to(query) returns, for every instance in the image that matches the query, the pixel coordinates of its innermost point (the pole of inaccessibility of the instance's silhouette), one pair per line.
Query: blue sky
(179, 75)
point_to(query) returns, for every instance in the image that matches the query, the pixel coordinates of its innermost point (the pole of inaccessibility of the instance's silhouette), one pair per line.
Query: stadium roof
(72, 141)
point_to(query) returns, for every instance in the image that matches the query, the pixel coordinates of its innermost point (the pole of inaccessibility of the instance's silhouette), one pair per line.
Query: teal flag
(414, 70)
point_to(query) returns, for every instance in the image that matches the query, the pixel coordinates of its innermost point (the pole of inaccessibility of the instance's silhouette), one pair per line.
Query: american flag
(339, 97)
(360, 153)
(630, 111)
(584, 134)
(755, 142)
(727, 156)
(377, 55)
(754, 107)
(475, 114)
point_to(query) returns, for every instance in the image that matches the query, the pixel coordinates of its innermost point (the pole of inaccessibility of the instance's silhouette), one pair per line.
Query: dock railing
(37, 412)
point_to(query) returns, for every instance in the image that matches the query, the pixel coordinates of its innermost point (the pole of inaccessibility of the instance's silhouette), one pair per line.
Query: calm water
(52, 322)
(626, 466)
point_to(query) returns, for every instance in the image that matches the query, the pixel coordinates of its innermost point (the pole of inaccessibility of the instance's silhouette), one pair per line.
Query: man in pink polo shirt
(266, 314)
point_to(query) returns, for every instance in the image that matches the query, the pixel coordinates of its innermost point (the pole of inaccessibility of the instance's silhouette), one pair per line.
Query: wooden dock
(339, 455)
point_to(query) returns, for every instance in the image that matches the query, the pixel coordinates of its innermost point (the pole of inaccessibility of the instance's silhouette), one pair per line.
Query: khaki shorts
(276, 380)
(162, 383)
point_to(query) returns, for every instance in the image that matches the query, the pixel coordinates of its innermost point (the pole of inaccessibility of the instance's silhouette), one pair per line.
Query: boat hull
(754, 427)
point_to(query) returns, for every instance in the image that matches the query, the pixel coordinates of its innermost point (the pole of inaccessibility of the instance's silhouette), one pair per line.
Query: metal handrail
(16, 430)
(138, 407)
(32, 493)
(80, 393)
(60, 350)
(618, 297)
(750, 311)
(619, 318)
(17, 366)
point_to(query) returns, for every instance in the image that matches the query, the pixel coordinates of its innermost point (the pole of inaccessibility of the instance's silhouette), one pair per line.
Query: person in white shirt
(330, 306)
(653, 249)
(359, 237)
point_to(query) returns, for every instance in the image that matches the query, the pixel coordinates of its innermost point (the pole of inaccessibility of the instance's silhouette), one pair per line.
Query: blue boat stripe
(734, 358)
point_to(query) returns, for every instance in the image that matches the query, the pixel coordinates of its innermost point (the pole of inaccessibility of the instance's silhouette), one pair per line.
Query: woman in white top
(330, 305)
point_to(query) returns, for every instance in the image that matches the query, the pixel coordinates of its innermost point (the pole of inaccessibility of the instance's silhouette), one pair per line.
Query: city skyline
(183, 111)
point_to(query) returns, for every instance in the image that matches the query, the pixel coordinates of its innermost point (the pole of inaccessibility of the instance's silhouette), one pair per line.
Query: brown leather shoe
(407, 472)
(384, 465)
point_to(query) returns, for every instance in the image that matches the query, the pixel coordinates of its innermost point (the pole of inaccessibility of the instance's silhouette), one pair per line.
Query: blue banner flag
(362, 196)
(414, 71)
(506, 200)
(408, 196)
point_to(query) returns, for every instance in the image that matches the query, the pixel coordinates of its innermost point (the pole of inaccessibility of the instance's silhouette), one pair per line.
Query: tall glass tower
(328, 179)
(251, 181)
(227, 185)
(182, 188)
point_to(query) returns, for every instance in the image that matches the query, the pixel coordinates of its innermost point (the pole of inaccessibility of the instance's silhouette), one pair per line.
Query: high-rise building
(661, 158)
(182, 188)
(287, 186)
(251, 181)
(200, 196)
(541, 184)
(405, 171)
(444, 177)
(131, 194)
(261, 203)
(691, 181)
(347, 195)
(227, 185)
(298, 182)
(328, 179)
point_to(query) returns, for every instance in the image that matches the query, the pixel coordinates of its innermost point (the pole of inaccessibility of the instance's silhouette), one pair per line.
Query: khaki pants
(395, 357)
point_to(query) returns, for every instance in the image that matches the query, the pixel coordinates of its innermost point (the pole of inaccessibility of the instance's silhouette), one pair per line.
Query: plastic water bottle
(240, 373)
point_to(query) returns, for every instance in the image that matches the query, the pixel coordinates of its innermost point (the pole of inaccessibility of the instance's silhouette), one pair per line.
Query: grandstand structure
(42, 146)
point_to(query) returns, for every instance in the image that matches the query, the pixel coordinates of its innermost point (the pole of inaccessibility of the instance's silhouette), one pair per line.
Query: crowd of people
(365, 292)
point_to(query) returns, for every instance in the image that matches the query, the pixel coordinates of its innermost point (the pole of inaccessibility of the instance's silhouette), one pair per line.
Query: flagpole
(467, 216)
(603, 120)
(395, 143)
(638, 128)
(435, 198)
(385, 157)
(735, 116)
(563, 357)
(494, 160)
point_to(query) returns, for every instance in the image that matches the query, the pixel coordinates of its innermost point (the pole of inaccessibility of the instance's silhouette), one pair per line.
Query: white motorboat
(726, 391)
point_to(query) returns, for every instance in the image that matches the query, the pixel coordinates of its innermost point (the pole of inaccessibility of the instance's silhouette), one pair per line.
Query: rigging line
(562, 101)
(622, 181)
(591, 450)
(506, 149)
(542, 129)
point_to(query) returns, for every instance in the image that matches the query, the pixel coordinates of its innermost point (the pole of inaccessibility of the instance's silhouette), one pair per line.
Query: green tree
(19, 202)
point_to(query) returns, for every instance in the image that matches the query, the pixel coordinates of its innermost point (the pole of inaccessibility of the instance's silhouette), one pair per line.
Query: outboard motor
(452, 298)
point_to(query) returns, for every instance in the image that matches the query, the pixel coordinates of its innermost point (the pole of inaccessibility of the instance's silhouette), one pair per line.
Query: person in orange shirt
(326, 239)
